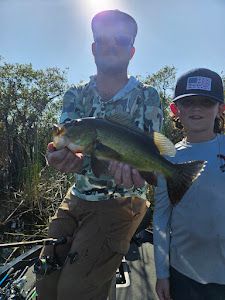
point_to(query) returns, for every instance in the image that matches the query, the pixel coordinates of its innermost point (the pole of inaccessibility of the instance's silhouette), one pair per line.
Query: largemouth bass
(114, 139)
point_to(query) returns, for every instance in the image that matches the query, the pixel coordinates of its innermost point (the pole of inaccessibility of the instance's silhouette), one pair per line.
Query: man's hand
(125, 175)
(163, 289)
(63, 160)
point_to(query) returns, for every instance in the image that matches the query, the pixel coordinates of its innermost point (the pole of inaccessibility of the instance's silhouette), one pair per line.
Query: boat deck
(137, 282)
(140, 262)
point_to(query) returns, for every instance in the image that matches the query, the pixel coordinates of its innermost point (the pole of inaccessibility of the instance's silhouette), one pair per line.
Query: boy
(189, 237)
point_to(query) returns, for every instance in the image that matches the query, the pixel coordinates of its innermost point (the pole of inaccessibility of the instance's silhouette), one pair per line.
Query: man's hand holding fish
(63, 160)
(125, 175)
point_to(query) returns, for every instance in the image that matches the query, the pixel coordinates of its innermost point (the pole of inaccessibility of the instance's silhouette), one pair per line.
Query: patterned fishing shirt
(138, 100)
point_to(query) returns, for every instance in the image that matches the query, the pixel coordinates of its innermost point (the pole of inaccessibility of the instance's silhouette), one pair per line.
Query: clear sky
(49, 33)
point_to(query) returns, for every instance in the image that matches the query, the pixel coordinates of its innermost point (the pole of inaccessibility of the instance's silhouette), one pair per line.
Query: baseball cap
(113, 16)
(200, 82)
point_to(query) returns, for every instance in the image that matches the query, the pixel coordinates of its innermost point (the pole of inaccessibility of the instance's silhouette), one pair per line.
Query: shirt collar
(130, 85)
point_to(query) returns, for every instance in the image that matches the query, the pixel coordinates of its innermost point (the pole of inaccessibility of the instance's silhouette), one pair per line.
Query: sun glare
(94, 6)
(98, 5)
(88, 8)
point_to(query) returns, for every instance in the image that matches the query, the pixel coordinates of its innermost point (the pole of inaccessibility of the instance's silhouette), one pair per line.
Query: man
(99, 216)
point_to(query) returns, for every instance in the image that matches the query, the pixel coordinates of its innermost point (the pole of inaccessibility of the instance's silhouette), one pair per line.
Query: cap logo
(199, 83)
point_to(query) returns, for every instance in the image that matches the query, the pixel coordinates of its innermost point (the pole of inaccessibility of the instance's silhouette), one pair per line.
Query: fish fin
(124, 119)
(164, 145)
(99, 167)
(183, 177)
(149, 177)
(106, 153)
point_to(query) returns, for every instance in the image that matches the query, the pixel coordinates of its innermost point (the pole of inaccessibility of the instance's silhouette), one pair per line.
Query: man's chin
(111, 69)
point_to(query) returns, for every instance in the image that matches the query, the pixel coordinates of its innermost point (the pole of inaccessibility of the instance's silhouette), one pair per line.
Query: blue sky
(49, 33)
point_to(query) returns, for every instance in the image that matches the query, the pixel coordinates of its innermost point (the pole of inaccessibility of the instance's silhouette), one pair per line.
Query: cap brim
(215, 99)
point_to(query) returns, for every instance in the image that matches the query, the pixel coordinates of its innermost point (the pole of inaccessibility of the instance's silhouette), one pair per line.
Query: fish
(118, 138)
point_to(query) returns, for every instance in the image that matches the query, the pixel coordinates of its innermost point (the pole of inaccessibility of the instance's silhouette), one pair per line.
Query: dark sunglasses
(120, 41)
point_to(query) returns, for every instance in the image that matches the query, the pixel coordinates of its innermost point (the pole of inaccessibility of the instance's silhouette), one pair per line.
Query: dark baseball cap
(200, 82)
(113, 16)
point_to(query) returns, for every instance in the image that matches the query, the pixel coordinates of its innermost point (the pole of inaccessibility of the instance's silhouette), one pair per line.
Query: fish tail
(183, 178)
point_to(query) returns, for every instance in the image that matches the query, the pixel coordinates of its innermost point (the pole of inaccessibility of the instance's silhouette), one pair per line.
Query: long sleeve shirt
(190, 236)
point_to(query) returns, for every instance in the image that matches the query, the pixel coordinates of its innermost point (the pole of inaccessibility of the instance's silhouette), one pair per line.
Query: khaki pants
(99, 234)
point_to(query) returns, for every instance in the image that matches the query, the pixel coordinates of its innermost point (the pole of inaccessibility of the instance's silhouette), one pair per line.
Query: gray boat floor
(140, 261)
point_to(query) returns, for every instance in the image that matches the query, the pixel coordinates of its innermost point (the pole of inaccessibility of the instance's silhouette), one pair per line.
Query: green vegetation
(30, 102)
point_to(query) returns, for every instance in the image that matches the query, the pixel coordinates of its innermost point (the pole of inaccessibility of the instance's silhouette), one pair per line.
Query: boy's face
(113, 47)
(198, 114)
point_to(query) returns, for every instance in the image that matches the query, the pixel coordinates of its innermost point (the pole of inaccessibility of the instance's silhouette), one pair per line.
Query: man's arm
(153, 114)
(64, 160)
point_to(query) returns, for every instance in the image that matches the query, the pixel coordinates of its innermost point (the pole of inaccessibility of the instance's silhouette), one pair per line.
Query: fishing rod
(14, 276)
(48, 241)
(6, 276)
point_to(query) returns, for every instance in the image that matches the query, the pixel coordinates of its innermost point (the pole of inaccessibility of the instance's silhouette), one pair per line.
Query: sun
(88, 8)
(94, 6)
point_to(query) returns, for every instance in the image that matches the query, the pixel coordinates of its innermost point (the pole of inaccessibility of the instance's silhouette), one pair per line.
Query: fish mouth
(75, 148)
(59, 142)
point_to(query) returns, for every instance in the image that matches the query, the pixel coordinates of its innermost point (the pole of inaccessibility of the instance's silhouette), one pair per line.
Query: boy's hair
(113, 17)
(218, 125)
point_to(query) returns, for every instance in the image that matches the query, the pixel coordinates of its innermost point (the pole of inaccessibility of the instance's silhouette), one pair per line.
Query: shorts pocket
(104, 266)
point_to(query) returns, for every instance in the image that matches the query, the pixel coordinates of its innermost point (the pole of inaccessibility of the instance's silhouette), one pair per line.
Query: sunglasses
(119, 40)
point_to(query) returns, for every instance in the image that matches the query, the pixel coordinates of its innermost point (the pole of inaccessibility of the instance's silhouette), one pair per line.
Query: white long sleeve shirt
(191, 235)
